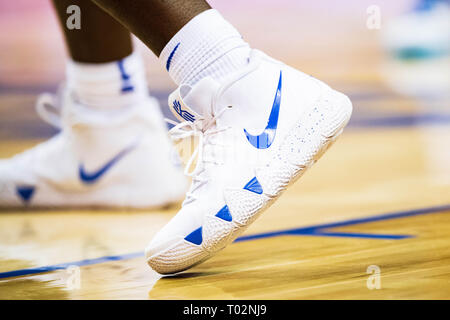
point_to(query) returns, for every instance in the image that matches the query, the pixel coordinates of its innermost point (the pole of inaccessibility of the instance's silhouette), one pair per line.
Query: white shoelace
(203, 129)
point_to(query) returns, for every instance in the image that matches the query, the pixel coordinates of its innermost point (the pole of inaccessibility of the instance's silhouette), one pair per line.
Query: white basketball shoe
(121, 158)
(259, 130)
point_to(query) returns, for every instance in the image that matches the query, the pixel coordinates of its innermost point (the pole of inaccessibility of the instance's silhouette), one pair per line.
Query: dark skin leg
(101, 38)
(155, 22)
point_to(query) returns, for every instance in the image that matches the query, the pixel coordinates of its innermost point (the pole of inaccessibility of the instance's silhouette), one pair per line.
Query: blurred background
(390, 57)
(327, 38)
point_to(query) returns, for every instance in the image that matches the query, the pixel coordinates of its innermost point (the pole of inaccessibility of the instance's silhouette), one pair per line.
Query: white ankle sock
(206, 46)
(111, 85)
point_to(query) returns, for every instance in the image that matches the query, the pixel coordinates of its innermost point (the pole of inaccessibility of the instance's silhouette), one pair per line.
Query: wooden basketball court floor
(371, 220)
(377, 198)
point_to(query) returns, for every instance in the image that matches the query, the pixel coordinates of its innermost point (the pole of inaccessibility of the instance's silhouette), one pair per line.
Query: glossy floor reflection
(367, 173)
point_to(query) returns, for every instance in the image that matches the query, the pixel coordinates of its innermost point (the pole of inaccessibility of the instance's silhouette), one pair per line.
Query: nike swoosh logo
(126, 85)
(92, 177)
(265, 139)
(169, 60)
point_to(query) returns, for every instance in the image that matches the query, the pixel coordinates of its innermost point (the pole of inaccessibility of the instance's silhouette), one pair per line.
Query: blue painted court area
(322, 230)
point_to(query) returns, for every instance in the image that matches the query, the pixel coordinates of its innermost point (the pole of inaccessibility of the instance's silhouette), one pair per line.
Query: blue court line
(61, 266)
(321, 229)
(320, 233)
(317, 230)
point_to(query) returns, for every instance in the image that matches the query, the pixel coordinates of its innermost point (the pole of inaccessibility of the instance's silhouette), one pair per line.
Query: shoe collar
(199, 101)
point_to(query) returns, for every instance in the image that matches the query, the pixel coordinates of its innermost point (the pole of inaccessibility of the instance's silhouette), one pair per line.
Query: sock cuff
(106, 85)
(203, 40)
(87, 72)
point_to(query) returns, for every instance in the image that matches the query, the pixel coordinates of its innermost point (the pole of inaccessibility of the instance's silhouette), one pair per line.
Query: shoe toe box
(173, 249)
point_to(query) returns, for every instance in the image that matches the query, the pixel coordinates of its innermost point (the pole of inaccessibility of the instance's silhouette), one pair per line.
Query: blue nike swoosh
(265, 139)
(169, 60)
(92, 177)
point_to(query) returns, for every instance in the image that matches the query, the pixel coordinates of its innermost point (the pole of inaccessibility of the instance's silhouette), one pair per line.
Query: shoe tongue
(191, 103)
